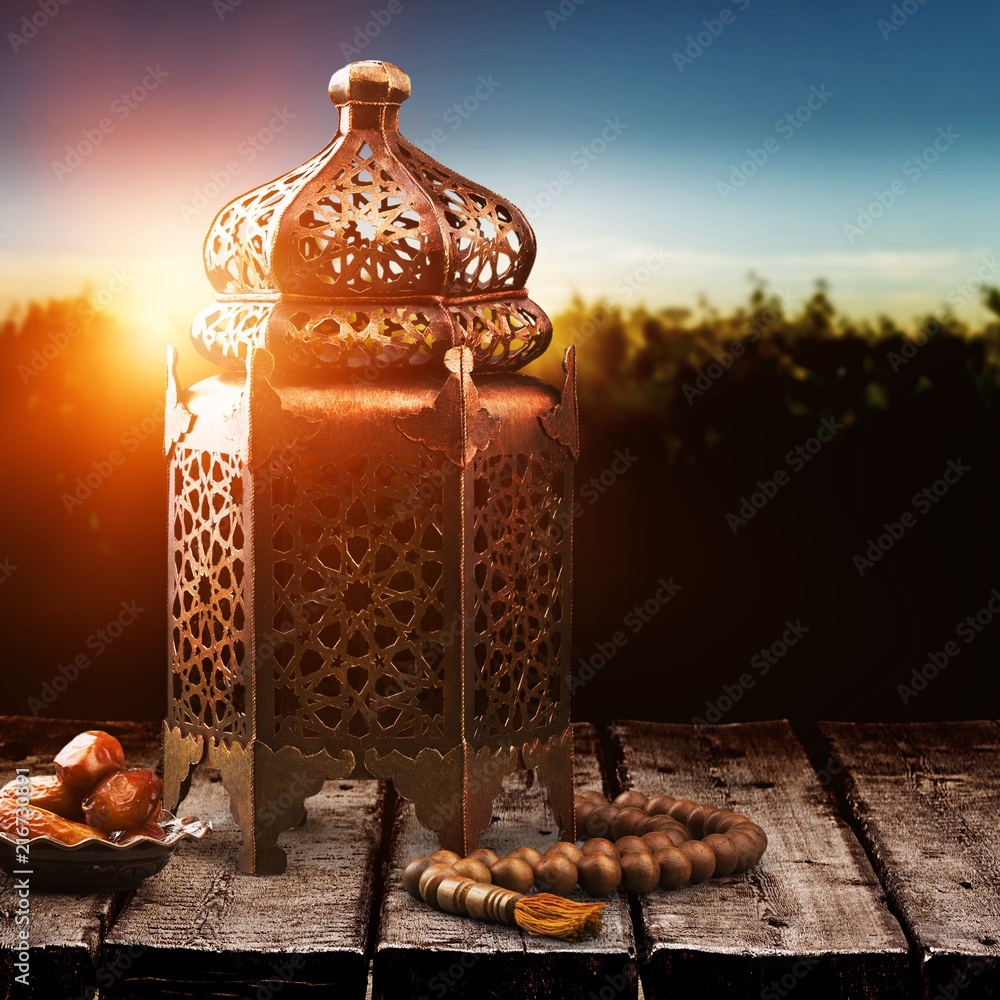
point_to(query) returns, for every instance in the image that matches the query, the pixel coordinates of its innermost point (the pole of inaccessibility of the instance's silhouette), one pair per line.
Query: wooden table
(882, 879)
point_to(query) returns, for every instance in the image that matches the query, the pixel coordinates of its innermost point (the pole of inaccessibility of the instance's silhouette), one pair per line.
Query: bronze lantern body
(370, 565)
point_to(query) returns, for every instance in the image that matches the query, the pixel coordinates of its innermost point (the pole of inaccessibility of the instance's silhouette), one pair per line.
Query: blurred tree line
(709, 406)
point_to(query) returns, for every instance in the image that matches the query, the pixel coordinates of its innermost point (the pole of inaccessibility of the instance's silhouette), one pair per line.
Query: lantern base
(267, 788)
(453, 792)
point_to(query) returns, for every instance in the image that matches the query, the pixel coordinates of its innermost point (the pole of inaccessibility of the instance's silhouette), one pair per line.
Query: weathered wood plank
(65, 930)
(812, 913)
(203, 927)
(423, 953)
(924, 796)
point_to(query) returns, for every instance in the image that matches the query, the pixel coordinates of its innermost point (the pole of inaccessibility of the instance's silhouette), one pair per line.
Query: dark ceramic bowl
(98, 865)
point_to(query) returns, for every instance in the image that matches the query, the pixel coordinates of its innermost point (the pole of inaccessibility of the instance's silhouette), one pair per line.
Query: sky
(662, 151)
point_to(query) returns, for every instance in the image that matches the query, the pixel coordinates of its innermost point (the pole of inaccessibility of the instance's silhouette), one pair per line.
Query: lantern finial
(371, 255)
(369, 82)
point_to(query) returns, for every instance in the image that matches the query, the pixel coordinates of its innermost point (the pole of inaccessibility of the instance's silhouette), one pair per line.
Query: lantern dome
(371, 253)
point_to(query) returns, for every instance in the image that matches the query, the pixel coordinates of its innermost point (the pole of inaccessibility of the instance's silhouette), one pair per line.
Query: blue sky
(620, 151)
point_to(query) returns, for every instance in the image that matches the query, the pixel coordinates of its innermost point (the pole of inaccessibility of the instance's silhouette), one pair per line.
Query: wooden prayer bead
(651, 823)
(446, 857)
(430, 880)
(471, 868)
(726, 824)
(702, 859)
(681, 809)
(656, 841)
(696, 820)
(677, 834)
(648, 825)
(747, 848)
(714, 819)
(582, 810)
(752, 830)
(513, 873)
(599, 821)
(569, 851)
(412, 873)
(727, 856)
(528, 854)
(630, 798)
(640, 873)
(599, 845)
(625, 821)
(555, 873)
(484, 854)
(594, 796)
(659, 805)
(599, 874)
(675, 868)
(631, 844)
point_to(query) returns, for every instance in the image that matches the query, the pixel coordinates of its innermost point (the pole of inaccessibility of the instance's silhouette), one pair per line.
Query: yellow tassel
(553, 916)
(544, 914)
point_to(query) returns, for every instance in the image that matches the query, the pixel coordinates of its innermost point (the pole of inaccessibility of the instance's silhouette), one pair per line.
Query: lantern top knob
(369, 82)
(371, 254)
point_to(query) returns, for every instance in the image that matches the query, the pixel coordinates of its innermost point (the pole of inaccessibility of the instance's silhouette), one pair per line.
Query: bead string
(636, 841)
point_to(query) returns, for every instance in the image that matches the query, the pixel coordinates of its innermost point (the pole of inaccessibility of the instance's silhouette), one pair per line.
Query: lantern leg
(267, 792)
(553, 761)
(181, 755)
(452, 793)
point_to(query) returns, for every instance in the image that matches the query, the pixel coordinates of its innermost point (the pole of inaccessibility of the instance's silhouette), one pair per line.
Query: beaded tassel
(542, 914)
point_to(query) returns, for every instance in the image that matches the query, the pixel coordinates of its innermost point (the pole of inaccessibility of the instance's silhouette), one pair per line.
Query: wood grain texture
(66, 931)
(809, 918)
(200, 925)
(925, 798)
(423, 953)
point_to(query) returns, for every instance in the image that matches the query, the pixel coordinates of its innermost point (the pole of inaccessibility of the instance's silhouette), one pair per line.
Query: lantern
(370, 567)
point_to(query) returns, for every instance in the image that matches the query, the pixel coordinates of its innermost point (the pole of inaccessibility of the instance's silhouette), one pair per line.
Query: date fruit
(123, 801)
(87, 758)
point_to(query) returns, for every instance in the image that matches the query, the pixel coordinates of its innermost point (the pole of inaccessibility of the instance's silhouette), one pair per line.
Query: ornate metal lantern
(370, 568)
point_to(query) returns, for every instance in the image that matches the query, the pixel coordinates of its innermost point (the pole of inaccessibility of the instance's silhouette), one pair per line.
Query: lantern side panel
(208, 627)
(519, 542)
(361, 632)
